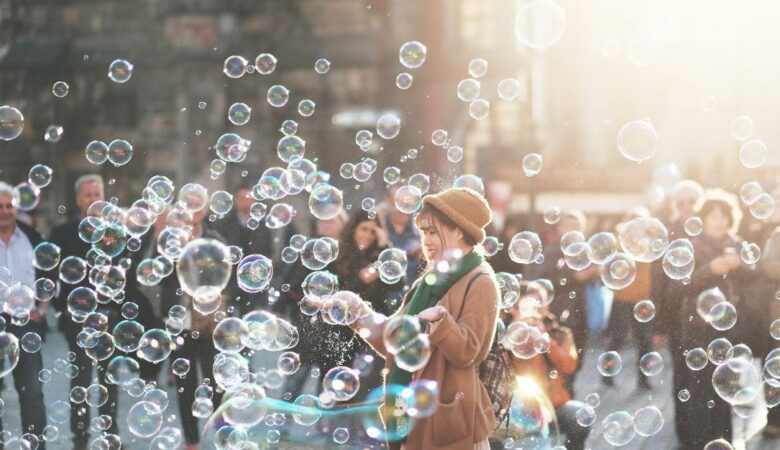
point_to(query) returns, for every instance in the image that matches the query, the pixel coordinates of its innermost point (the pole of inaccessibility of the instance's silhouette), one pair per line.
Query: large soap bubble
(540, 23)
(204, 268)
(637, 140)
(644, 238)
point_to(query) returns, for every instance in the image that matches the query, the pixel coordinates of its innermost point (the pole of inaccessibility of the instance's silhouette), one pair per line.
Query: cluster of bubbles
(760, 204)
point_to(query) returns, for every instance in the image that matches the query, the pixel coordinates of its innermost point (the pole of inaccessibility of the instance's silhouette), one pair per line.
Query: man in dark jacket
(17, 242)
(89, 189)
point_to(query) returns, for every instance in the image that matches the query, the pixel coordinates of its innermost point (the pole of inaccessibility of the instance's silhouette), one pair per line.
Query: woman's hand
(433, 313)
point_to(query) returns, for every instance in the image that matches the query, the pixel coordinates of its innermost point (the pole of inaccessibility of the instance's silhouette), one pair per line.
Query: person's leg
(644, 336)
(79, 412)
(618, 330)
(29, 388)
(185, 390)
(109, 408)
(575, 433)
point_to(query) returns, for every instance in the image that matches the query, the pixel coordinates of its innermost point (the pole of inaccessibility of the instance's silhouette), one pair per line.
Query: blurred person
(769, 266)
(717, 265)
(685, 195)
(316, 336)
(235, 227)
(194, 344)
(570, 309)
(17, 241)
(460, 308)
(501, 262)
(621, 318)
(561, 358)
(89, 189)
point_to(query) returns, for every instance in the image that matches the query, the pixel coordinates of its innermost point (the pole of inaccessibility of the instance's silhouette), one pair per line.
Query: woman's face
(365, 234)
(716, 224)
(437, 239)
(330, 228)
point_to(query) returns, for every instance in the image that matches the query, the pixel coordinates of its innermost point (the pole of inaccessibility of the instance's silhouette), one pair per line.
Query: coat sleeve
(371, 329)
(466, 341)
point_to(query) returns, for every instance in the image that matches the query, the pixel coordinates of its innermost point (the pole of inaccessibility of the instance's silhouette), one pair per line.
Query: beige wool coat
(459, 343)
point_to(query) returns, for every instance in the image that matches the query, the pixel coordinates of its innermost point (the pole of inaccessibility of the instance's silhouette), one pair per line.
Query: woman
(717, 265)
(458, 299)
(194, 343)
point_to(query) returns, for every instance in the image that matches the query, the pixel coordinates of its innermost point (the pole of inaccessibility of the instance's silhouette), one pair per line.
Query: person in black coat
(17, 242)
(717, 265)
(89, 189)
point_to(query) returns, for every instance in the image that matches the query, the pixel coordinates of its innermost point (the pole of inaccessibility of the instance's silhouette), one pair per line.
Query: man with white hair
(89, 189)
(17, 241)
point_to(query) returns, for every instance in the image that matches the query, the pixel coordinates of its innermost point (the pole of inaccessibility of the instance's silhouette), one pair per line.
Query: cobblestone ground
(623, 396)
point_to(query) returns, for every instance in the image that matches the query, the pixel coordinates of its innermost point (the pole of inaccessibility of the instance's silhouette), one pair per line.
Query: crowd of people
(453, 219)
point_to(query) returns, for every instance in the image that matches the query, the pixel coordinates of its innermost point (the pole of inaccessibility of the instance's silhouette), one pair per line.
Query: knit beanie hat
(469, 210)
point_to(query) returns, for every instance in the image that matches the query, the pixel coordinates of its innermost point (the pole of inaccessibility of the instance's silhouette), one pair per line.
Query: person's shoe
(771, 432)
(608, 381)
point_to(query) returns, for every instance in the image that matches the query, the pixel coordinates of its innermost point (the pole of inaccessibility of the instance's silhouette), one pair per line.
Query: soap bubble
(618, 428)
(718, 350)
(637, 140)
(265, 63)
(648, 421)
(278, 96)
(120, 71)
(508, 89)
(341, 383)
(644, 238)
(412, 54)
(40, 175)
(81, 302)
(472, 182)
(96, 152)
(9, 353)
(325, 201)
(204, 268)
(609, 364)
(73, 269)
(525, 247)
(696, 359)
(742, 127)
(651, 364)
(736, 381)
(408, 199)
(706, 300)
(239, 113)
(127, 335)
(455, 154)
(290, 148)
(307, 410)
(532, 164)
(119, 152)
(404, 80)
(60, 89)
(141, 422)
(753, 154)
(26, 196)
(53, 133)
(602, 247)
(723, 316)
(693, 226)
(46, 256)
(230, 334)
(306, 107)
(619, 272)
(540, 23)
(678, 262)
(254, 273)
(388, 126)
(552, 215)
(585, 416)
(322, 66)
(479, 109)
(468, 90)
(644, 311)
(11, 123)
(762, 206)
(155, 345)
(235, 66)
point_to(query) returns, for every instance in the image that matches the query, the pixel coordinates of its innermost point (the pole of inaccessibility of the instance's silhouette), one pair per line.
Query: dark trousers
(575, 433)
(80, 412)
(200, 352)
(27, 385)
(621, 322)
